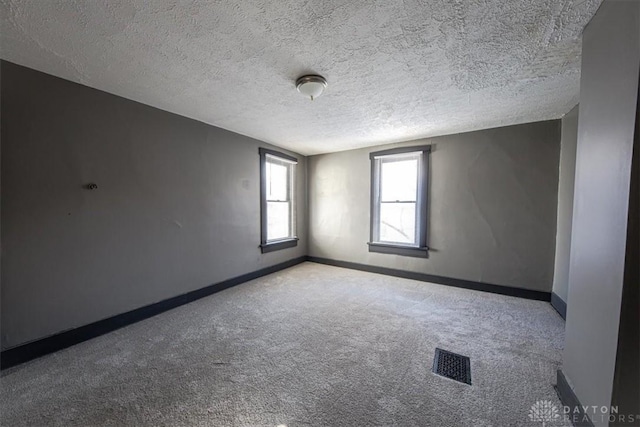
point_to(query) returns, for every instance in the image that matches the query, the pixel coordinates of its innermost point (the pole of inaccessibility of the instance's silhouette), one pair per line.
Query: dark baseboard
(34, 349)
(559, 305)
(29, 351)
(458, 283)
(568, 398)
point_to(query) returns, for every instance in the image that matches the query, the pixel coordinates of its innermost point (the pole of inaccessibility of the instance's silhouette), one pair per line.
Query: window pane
(399, 180)
(398, 223)
(277, 220)
(277, 175)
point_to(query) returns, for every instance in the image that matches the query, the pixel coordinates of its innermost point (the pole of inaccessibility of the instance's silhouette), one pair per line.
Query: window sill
(278, 244)
(412, 251)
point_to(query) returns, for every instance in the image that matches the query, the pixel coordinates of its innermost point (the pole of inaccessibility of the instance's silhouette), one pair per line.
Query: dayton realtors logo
(544, 411)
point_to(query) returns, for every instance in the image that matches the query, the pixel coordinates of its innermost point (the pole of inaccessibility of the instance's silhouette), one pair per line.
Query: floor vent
(452, 365)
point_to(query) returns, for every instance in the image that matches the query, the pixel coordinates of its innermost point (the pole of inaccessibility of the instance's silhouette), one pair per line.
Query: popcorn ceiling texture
(397, 70)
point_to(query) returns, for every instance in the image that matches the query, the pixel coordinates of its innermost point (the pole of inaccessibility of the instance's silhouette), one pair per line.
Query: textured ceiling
(397, 70)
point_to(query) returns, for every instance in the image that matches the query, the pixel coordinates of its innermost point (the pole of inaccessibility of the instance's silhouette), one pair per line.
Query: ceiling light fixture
(311, 85)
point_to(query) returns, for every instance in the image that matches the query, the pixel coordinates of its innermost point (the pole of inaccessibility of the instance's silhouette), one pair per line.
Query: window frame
(267, 246)
(421, 249)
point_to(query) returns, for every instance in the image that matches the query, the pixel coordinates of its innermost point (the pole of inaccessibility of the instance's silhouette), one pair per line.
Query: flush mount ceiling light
(311, 86)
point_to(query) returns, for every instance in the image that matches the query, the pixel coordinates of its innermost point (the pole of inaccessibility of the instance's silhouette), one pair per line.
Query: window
(399, 201)
(277, 197)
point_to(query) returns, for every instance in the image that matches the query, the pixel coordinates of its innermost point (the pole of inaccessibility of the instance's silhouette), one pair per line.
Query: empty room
(320, 213)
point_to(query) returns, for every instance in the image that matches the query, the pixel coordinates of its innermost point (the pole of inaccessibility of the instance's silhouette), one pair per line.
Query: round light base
(311, 86)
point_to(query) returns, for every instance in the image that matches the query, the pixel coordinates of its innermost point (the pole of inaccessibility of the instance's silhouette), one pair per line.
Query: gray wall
(492, 215)
(176, 209)
(568, 144)
(608, 94)
(626, 384)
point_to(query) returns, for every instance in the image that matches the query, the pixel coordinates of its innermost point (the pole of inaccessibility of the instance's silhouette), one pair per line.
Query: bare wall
(176, 208)
(626, 384)
(568, 144)
(492, 214)
(608, 95)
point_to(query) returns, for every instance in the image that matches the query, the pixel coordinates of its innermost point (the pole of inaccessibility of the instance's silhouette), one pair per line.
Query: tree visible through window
(399, 199)
(277, 200)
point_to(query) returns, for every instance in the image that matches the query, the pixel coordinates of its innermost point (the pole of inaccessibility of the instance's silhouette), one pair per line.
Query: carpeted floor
(310, 346)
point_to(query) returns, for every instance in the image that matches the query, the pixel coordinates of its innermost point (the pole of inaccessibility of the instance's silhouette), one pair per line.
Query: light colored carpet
(309, 346)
